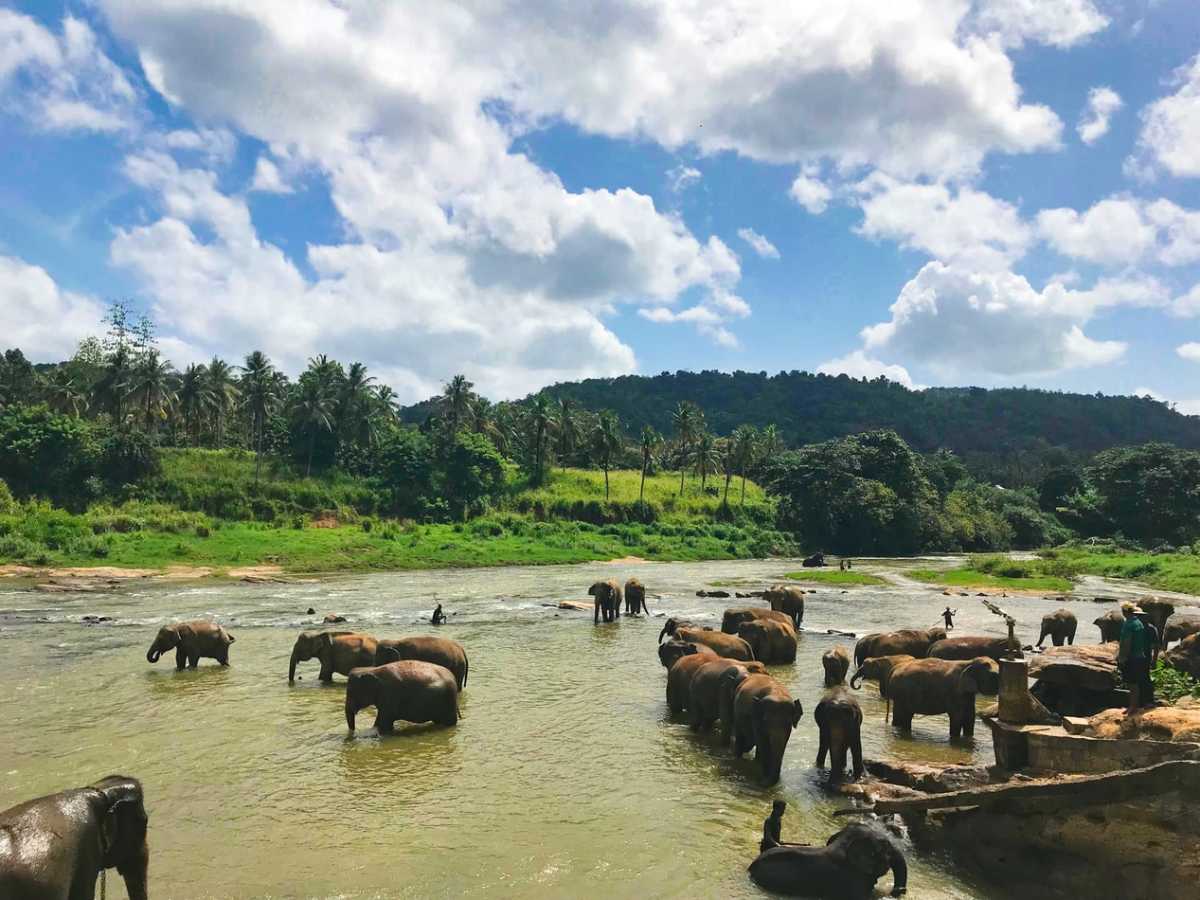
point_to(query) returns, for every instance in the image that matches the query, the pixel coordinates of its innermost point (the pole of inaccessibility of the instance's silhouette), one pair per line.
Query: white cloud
(1189, 351)
(1102, 102)
(1188, 407)
(1170, 135)
(215, 145)
(810, 192)
(859, 365)
(952, 224)
(682, 177)
(1113, 232)
(758, 243)
(1179, 232)
(1187, 306)
(1059, 23)
(267, 178)
(957, 321)
(36, 315)
(61, 82)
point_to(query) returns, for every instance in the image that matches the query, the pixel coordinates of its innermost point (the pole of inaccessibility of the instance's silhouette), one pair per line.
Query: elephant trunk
(134, 872)
(153, 654)
(292, 667)
(351, 710)
(899, 873)
(856, 678)
(662, 633)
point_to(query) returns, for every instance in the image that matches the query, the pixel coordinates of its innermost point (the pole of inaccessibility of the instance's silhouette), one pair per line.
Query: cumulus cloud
(1102, 102)
(1059, 23)
(758, 243)
(682, 177)
(1124, 230)
(1189, 351)
(64, 81)
(1187, 305)
(859, 365)
(267, 178)
(810, 192)
(38, 316)
(1170, 136)
(214, 145)
(956, 320)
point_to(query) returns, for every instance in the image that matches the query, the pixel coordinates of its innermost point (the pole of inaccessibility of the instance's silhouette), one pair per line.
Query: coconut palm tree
(64, 394)
(312, 411)
(194, 397)
(112, 386)
(606, 442)
(261, 391)
(746, 445)
(688, 421)
(568, 428)
(541, 424)
(456, 400)
(706, 458)
(151, 384)
(355, 409)
(221, 394)
(649, 441)
(387, 403)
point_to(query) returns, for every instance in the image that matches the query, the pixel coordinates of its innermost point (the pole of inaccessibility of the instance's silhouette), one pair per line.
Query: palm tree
(111, 388)
(312, 410)
(707, 459)
(457, 397)
(746, 444)
(568, 428)
(356, 411)
(63, 392)
(607, 440)
(541, 423)
(687, 421)
(261, 390)
(221, 395)
(387, 403)
(769, 445)
(194, 397)
(152, 382)
(727, 450)
(650, 440)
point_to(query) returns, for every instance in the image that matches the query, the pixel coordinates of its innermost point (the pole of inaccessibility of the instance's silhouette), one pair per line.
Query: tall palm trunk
(743, 488)
(728, 478)
(642, 489)
(606, 481)
(312, 443)
(257, 446)
(682, 470)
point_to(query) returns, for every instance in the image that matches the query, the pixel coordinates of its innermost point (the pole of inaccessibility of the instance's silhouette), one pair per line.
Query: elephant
(338, 651)
(733, 618)
(772, 642)
(764, 715)
(1158, 611)
(1059, 626)
(670, 652)
(635, 598)
(442, 651)
(969, 648)
(1180, 625)
(55, 847)
(911, 641)
(789, 599)
(1110, 625)
(934, 686)
(607, 595)
(191, 641)
(412, 690)
(679, 680)
(816, 561)
(836, 663)
(672, 625)
(839, 722)
(1185, 656)
(848, 866)
(880, 668)
(706, 688)
(725, 644)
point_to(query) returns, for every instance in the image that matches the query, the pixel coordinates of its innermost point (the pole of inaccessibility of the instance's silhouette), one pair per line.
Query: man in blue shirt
(1134, 657)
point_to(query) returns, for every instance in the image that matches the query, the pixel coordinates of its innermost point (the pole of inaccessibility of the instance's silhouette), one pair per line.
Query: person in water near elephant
(948, 615)
(1134, 657)
(771, 827)
(439, 617)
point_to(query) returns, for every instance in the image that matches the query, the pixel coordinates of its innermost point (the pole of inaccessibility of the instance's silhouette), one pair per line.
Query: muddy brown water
(565, 778)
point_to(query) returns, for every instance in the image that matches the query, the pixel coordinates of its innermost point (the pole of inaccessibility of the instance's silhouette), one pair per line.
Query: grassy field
(819, 576)
(968, 577)
(1166, 571)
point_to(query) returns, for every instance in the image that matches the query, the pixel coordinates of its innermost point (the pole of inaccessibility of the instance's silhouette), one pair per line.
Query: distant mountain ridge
(808, 408)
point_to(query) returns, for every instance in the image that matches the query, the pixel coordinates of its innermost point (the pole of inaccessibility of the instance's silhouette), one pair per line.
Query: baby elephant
(836, 663)
(191, 641)
(411, 690)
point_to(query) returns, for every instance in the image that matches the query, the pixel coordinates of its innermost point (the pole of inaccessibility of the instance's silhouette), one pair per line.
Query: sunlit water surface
(564, 778)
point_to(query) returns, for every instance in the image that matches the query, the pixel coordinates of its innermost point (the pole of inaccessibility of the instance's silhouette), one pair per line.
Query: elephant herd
(608, 595)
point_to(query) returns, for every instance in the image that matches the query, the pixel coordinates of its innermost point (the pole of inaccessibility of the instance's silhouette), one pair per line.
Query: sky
(946, 192)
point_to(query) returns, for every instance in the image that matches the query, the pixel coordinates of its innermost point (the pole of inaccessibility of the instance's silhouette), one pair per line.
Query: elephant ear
(122, 818)
(387, 654)
(968, 681)
(865, 853)
(326, 641)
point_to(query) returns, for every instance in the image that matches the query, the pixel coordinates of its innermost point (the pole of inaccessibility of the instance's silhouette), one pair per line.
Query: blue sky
(984, 192)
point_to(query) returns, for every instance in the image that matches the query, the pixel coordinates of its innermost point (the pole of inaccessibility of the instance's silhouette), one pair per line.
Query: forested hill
(807, 408)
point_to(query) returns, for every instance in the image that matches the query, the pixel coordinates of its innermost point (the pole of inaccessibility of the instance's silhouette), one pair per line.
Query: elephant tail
(466, 668)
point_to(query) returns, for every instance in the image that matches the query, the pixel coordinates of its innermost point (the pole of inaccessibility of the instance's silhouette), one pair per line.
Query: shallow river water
(565, 778)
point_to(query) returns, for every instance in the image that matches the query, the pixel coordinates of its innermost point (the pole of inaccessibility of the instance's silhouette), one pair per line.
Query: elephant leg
(822, 747)
(901, 716)
(223, 659)
(193, 660)
(1058, 640)
(856, 753)
(741, 743)
(326, 672)
(596, 614)
(180, 658)
(838, 759)
(385, 723)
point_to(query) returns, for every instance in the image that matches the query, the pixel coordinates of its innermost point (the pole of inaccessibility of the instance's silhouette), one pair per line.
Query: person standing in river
(948, 615)
(1133, 657)
(439, 617)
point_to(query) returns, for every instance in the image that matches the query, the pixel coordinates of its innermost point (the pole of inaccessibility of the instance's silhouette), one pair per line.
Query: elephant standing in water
(772, 642)
(786, 598)
(839, 723)
(847, 866)
(724, 644)
(635, 598)
(735, 618)
(764, 715)
(1059, 626)
(933, 686)
(191, 640)
(880, 668)
(607, 596)
(911, 641)
(711, 688)
(411, 690)
(836, 663)
(54, 847)
(1110, 625)
(338, 651)
(969, 647)
(442, 651)
(670, 652)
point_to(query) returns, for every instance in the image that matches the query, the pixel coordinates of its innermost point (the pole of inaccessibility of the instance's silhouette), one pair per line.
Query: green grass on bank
(820, 576)
(1165, 571)
(968, 577)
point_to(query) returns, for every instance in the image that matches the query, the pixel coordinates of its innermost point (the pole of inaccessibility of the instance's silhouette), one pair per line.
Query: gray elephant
(789, 599)
(880, 668)
(839, 723)
(1059, 626)
(635, 598)
(1181, 625)
(910, 641)
(1110, 625)
(847, 867)
(411, 690)
(670, 652)
(607, 596)
(1158, 611)
(55, 847)
(191, 641)
(338, 651)
(836, 663)
(734, 618)
(1185, 657)
(442, 651)
(679, 680)
(772, 642)
(935, 686)
(724, 644)
(969, 648)
(708, 684)
(764, 715)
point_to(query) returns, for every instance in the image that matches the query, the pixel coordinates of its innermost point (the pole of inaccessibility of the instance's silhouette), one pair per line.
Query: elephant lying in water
(442, 651)
(54, 847)
(411, 690)
(911, 641)
(191, 640)
(932, 686)
(338, 651)
(848, 866)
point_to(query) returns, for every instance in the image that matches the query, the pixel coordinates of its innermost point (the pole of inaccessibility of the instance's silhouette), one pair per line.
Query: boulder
(930, 779)
(1092, 667)
(1186, 656)
(575, 604)
(1182, 624)
(1180, 722)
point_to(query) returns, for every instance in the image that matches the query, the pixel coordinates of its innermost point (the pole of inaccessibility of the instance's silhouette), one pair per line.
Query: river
(564, 778)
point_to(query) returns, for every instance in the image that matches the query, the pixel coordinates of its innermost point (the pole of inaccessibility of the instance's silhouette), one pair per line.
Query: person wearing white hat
(1134, 657)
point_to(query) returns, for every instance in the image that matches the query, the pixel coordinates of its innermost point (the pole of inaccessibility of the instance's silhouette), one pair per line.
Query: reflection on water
(565, 776)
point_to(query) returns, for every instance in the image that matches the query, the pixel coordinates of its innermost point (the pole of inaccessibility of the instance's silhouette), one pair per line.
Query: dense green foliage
(1171, 684)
